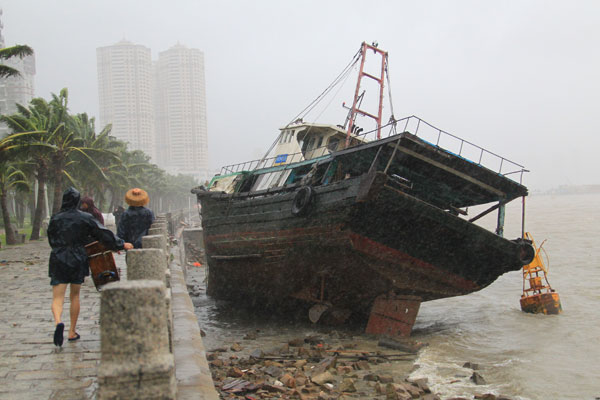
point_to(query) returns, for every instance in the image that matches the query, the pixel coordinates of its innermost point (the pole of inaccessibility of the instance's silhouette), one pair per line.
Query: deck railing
(424, 131)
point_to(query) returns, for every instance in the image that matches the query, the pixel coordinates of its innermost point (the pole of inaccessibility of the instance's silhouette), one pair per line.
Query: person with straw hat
(137, 219)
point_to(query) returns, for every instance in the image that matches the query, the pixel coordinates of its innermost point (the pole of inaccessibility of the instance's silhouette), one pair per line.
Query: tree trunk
(31, 198)
(20, 212)
(37, 218)
(8, 229)
(57, 194)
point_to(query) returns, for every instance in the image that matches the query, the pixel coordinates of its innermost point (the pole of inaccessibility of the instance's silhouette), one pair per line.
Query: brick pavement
(31, 367)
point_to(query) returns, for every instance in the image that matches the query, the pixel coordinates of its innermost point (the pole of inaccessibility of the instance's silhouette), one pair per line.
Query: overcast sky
(520, 78)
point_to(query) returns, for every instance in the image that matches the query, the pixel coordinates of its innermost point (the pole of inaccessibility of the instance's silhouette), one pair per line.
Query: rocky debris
(235, 347)
(322, 378)
(471, 365)
(421, 383)
(315, 367)
(273, 371)
(288, 380)
(371, 377)
(478, 379)
(194, 290)
(400, 343)
(347, 385)
(485, 396)
(309, 368)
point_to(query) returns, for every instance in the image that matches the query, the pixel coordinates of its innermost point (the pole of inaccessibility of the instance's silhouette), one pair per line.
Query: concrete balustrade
(146, 264)
(155, 231)
(155, 242)
(136, 362)
(158, 242)
(150, 264)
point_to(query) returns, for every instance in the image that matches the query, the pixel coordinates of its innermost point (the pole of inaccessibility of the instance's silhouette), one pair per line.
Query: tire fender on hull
(302, 201)
(525, 251)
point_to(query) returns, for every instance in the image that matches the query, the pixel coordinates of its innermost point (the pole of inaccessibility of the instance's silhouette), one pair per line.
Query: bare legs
(74, 311)
(58, 299)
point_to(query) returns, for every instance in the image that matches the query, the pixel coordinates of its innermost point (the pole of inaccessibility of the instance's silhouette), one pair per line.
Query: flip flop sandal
(72, 339)
(58, 334)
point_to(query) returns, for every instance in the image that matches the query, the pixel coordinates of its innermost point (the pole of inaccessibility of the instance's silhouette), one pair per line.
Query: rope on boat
(335, 82)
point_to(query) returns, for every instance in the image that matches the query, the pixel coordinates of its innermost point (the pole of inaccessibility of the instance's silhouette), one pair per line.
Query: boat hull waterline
(354, 242)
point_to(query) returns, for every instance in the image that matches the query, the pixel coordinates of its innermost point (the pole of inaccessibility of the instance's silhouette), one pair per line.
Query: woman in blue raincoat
(137, 219)
(68, 232)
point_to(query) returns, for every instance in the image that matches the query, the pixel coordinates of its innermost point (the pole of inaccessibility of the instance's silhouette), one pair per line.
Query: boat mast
(355, 110)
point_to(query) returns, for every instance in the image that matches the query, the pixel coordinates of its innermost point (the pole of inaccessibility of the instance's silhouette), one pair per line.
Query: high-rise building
(125, 94)
(180, 110)
(17, 89)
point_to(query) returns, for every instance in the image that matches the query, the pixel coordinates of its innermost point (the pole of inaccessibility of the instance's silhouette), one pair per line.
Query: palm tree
(10, 178)
(10, 52)
(56, 146)
(94, 168)
(30, 125)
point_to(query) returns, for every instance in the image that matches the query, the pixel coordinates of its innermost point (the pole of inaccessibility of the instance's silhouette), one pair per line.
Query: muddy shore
(261, 360)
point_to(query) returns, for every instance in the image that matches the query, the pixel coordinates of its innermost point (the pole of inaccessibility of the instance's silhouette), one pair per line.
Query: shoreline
(312, 362)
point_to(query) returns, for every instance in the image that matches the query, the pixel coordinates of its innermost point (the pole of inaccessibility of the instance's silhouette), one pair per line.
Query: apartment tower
(180, 111)
(17, 89)
(125, 94)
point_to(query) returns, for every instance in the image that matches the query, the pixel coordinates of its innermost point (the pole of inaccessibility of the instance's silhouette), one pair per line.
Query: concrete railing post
(155, 242)
(146, 264)
(136, 362)
(157, 246)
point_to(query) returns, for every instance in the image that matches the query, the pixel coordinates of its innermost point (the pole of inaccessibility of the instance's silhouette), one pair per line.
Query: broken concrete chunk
(471, 365)
(322, 378)
(478, 379)
(347, 385)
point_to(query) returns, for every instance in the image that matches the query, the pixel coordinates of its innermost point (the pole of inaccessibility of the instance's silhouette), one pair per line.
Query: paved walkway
(31, 367)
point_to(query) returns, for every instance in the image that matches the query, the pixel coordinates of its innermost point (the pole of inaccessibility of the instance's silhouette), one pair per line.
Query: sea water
(528, 356)
(525, 356)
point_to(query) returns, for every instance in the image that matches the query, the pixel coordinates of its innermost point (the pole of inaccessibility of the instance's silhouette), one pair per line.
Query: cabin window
(305, 145)
(333, 144)
(320, 142)
(311, 142)
(291, 136)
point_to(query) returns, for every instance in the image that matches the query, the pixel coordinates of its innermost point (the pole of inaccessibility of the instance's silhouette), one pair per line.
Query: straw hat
(136, 197)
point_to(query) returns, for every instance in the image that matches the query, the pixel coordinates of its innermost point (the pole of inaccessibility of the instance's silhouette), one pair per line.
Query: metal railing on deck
(468, 150)
(424, 131)
(452, 144)
(258, 164)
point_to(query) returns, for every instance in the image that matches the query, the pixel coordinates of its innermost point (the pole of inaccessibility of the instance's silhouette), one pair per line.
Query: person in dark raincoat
(117, 213)
(137, 219)
(87, 205)
(68, 232)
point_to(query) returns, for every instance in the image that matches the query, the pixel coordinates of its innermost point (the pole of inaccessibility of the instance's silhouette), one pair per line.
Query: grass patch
(26, 230)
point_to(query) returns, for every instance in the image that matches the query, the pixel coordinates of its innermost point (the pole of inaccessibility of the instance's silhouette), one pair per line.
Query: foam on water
(524, 355)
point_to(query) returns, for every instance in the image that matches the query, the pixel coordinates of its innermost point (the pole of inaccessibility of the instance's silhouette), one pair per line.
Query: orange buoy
(538, 296)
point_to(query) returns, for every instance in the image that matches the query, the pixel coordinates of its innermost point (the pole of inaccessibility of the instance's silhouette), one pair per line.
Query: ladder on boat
(380, 81)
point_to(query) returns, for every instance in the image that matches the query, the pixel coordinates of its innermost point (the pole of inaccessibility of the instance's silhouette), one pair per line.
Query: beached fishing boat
(357, 224)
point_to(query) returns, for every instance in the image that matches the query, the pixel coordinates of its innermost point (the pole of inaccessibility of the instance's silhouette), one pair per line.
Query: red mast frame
(355, 110)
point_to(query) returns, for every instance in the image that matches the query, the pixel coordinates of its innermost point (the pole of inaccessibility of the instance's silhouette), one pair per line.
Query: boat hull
(355, 240)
